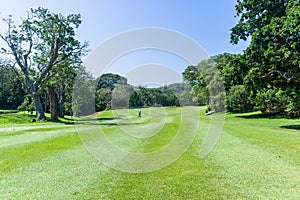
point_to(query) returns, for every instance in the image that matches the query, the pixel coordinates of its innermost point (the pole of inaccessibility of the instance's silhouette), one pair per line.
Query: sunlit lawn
(255, 158)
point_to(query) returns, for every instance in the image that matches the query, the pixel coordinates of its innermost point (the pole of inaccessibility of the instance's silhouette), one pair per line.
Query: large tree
(42, 41)
(273, 53)
(207, 84)
(60, 86)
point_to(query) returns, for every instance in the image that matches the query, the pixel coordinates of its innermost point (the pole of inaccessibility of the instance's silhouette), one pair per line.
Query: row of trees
(113, 92)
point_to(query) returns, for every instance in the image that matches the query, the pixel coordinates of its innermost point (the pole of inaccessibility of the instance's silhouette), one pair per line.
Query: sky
(208, 22)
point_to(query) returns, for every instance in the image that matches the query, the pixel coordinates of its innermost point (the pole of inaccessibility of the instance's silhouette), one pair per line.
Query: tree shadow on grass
(261, 116)
(95, 121)
(8, 111)
(107, 118)
(295, 127)
(65, 121)
(15, 118)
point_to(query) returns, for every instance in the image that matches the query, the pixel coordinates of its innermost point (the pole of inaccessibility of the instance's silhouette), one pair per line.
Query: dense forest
(42, 57)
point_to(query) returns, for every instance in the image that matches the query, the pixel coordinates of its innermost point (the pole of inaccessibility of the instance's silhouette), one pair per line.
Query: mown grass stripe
(31, 137)
(279, 141)
(20, 156)
(253, 171)
(56, 176)
(14, 132)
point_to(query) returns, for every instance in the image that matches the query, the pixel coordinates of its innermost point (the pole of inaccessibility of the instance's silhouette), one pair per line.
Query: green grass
(15, 118)
(255, 158)
(10, 119)
(8, 111)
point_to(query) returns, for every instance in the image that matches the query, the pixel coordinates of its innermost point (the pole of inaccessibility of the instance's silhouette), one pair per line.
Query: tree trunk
(61, 102)
(53, 103)
(61, 112)
(38, 106)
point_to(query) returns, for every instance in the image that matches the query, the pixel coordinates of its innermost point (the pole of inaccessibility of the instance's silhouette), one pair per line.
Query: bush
(273, 101)
(238, 99)
(27, 105)
(218, 102)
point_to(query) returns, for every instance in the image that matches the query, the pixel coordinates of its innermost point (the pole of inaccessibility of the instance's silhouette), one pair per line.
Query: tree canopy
(273, 58)
(42, 41)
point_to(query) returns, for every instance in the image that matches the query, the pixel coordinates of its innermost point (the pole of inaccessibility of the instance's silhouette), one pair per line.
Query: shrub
(273, 101)
(27, 105)
(238, 99)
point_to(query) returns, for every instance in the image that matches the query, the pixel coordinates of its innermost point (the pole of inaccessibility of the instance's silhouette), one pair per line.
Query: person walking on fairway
(139, 113)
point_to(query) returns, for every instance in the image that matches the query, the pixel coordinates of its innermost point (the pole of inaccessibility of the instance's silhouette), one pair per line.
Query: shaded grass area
(255, 158)
(8, 111)
(15, 119)
(31, 129)
(25, 119)
(296, 127)
(260, 115)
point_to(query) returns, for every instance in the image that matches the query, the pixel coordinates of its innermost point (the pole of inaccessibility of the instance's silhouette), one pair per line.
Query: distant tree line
(113, 92)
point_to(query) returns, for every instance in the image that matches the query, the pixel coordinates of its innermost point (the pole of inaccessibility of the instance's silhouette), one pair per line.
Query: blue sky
(207, 22)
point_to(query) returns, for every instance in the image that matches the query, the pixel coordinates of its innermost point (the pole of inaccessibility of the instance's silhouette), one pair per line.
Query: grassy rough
(255, 158)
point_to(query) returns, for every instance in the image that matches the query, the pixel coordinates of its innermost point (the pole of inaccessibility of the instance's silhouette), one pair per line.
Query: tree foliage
(105, 85)
(42, 41)
(254, 15)
(207, 84)
(11, 92)
(238, 99)
(272, 57)
(113, 92)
